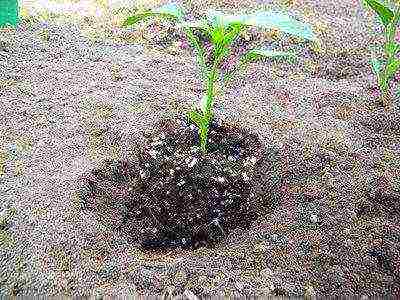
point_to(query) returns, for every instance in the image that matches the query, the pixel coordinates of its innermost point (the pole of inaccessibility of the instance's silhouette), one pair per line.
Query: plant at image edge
(385, 69)
(222, 30)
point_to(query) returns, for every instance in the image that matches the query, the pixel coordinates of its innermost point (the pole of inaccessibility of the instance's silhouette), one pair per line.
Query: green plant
(385, 69)
(215, 54)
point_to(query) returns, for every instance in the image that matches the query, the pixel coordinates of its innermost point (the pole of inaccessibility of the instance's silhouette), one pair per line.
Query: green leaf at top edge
(169, 11)
(263, 19)
(216, 18)
(283, 22)
(385, 13)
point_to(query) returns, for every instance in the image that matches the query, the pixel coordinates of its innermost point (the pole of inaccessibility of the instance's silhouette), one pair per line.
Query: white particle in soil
(171, 171)
(194, 149)
(245, 177)
(314, 218)
(239, 286)
(180, 183)
(177, 168)
(192, 127)
(193, 162)
(231, 158)
(156, 143)
(253, 160)
(221, 179)
(153, 153)
(143, 174)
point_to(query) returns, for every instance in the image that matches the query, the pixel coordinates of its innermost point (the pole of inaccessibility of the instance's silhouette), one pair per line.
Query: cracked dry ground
(333, 229)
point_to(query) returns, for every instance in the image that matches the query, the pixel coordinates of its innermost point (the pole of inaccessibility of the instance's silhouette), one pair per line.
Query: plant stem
(210, 99)
(200, 51)
(384, 80)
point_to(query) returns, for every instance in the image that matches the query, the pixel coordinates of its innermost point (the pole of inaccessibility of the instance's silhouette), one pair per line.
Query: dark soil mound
(176, 196)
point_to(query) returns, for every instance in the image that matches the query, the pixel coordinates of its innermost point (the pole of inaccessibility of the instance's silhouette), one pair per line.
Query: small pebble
(245, 177)
(192, 163)
(153, 153)
(314, 218)
(143, 174)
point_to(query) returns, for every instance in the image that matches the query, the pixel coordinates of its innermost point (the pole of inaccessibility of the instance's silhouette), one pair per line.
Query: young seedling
(221, 32)
(385, 69)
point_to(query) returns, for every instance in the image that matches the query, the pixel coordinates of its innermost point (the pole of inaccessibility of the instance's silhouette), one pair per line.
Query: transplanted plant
(222, 30)
(385, 69)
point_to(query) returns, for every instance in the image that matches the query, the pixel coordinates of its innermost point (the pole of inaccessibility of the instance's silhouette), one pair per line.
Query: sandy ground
(60, 103)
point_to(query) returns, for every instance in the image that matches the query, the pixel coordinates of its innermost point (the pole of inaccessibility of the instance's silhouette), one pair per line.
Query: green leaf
(217, 35)
(196, 118)
(283, 22)
(264, 19)
(217, 18)
(384, 12)
(221, 53)
(232, 34)
(199, 24)
(390, 31)
(171, 9)
(194, 42)
(132, 20)
(383, 84)
(392, 48)
(392, 68)
(168, 11)
(200, 54)
(376, 66)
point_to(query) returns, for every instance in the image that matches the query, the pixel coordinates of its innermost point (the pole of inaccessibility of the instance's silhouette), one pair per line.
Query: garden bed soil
(68, 105)
(176, 196)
